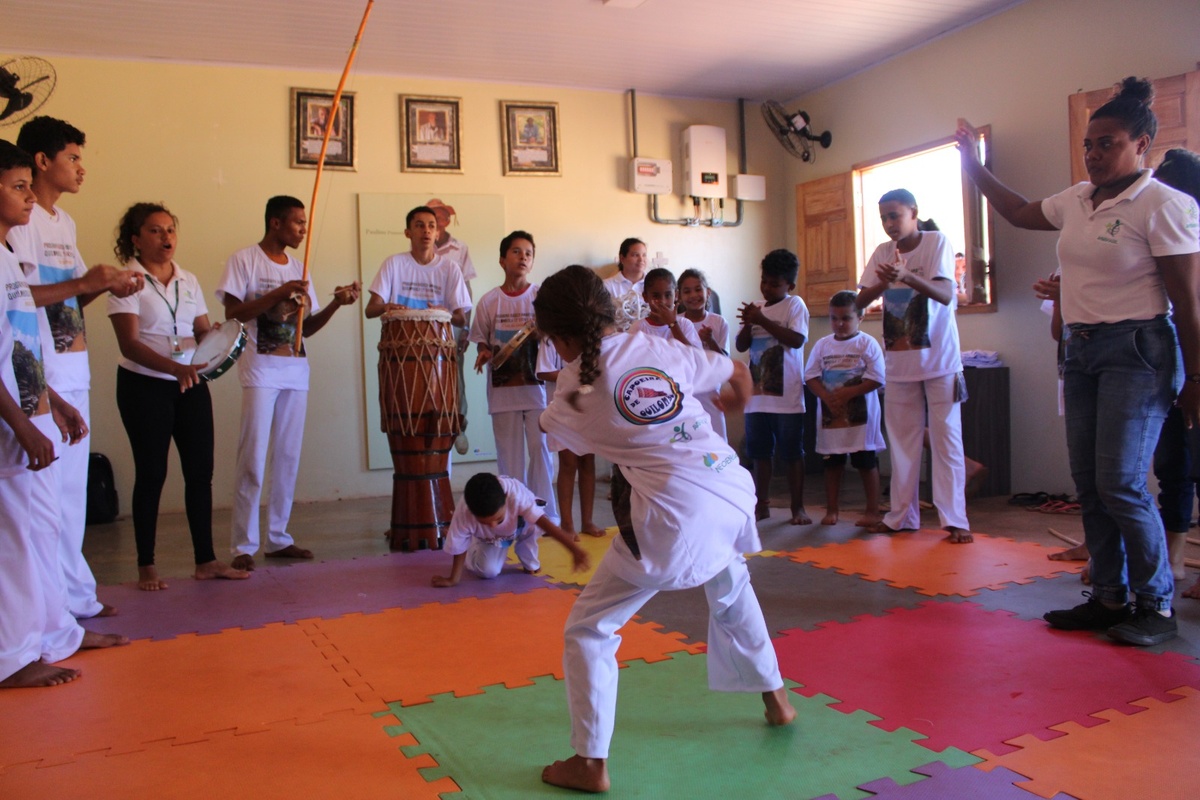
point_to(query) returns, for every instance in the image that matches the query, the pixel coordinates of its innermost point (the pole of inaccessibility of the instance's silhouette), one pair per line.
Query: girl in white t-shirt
(684, 507)
(712, 329)
(1127, 252)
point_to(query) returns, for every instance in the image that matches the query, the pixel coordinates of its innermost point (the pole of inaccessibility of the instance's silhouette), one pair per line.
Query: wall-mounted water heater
(704, 161)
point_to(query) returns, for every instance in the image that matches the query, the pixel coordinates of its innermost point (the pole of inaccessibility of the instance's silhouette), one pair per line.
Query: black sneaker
(1090, 616)
(1146, 627)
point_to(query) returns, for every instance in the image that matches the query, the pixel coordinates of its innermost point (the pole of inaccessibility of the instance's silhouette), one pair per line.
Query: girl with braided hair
(684, 507)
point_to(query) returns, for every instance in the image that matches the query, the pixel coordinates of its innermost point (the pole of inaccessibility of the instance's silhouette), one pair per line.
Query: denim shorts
(766, 431)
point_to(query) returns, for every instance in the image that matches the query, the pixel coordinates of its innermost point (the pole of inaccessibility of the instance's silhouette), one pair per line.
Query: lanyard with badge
(177, 353)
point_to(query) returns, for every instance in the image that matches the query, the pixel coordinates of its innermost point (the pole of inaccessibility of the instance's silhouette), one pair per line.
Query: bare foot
(1194, 591)
(881, 527)
(577, 772)
(1077, 553)
(99, 641)
(799, 517)
(106, 611)
(830, 518)
(762, 511)
(216, 569)
(592, 529)
(291, 551)
(529, 571)
(959, 536)
(148, 580)
(243, 561)
(976, 474)
(39, 673)
(779, 707)
(868, 521)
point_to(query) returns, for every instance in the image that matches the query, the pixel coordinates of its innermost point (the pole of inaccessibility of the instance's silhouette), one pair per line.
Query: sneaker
(1146, 627)
(1090, 616)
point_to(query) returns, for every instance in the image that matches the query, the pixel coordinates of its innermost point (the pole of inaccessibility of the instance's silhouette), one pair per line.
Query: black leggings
(155, 412)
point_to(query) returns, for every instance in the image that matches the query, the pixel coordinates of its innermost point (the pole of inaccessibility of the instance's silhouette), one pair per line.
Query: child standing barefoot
(844, 370)
(684, 507)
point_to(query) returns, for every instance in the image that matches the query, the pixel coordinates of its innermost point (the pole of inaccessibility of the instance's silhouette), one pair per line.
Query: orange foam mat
(408, 655)
(924, 562)
(1156, 748)
(338, 756)
(181, 689)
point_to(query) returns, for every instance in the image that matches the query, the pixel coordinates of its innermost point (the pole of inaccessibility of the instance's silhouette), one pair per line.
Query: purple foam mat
(294, 592)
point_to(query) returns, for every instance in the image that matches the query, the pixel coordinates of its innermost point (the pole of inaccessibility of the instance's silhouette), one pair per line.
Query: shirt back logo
(646, 396)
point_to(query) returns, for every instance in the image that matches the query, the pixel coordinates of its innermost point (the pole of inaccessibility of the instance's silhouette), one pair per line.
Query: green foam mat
(674, 738)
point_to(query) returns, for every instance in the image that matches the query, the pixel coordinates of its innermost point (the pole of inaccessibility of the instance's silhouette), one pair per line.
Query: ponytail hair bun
(1130, 106)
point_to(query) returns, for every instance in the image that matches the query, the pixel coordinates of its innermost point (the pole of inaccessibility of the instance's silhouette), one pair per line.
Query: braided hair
(1130, 105)
(573, 303)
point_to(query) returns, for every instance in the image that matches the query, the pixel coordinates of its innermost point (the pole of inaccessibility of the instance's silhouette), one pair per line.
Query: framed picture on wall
(312, 115)
(429, 134)
(529, 134)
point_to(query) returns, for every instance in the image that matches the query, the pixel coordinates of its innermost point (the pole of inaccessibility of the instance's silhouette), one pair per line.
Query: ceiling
(719, 49)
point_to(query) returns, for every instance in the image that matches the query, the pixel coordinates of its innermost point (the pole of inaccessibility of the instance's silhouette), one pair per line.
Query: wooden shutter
(1176, 104)
(825, 238)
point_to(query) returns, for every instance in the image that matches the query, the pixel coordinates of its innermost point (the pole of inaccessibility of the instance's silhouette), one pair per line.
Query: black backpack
(102, 506)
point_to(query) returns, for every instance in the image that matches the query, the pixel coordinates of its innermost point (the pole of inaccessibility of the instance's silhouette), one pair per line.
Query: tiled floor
(920, 670)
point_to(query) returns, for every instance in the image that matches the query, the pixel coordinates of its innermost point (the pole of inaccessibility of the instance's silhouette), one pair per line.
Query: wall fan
(25, 84)
(792, 131)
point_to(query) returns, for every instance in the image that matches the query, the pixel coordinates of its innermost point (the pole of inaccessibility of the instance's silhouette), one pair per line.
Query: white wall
(1015, 72)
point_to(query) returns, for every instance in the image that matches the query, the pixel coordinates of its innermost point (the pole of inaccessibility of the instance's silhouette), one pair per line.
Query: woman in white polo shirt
(159, 393)
(1127, 249)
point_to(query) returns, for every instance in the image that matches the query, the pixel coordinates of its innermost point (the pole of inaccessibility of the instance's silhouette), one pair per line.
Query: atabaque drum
(418, 403)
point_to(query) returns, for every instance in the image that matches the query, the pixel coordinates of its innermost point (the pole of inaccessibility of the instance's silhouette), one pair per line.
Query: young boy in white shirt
(774, 332)
(496, 513)
(420, 278)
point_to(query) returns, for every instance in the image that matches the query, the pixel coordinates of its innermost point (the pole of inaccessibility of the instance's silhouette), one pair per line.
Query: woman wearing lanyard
(159, 392)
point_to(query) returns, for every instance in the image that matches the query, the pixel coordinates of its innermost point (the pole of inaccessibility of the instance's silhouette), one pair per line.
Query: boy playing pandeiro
(495, 513)
(515, 395)
(914, 274)
(844, 371)
(774, 332)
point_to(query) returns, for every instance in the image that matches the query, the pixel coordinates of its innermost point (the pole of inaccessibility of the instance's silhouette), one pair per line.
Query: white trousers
(486, 559)
(272, 423)
(904, 409)
(61, 490)
(741, 657)
(35, 623)
(515, 431)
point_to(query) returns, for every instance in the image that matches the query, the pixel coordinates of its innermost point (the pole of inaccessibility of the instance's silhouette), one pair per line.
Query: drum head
(220, 348)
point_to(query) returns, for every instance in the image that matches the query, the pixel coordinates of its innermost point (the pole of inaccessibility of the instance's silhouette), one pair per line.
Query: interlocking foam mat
(358, 679)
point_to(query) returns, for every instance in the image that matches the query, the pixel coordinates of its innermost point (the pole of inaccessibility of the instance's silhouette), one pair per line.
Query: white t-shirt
(268, 361)
(163, 312)
(549, 361)
(778, 371)
(719, 327)
(498, 317)
(627, 297)
(401, 280)
(48, 254)
(465, 526)
(457, 252)
(664, 331)
(920, 335)
(692, 503)
(848, 362)
(1107, 255)
(21, 363)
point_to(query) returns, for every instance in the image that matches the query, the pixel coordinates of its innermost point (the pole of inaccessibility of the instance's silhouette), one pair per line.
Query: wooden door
(825, 239)
(1176, 104)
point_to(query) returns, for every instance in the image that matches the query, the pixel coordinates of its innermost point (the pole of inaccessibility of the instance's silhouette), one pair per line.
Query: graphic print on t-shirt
(838, 371)
(65, 318)
(27, 362)
(418, 295)
(647, 395)
(277, 325)
(766, 366)
(905, 319)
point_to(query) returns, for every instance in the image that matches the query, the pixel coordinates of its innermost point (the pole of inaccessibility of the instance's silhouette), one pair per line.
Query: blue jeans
(1120, 380)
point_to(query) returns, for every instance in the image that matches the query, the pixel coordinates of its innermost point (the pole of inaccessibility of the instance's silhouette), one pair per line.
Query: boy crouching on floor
(495, 513)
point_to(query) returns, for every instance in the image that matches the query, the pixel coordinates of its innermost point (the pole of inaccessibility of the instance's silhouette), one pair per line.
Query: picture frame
(310, 111)
(430, 134)
(529, 138)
